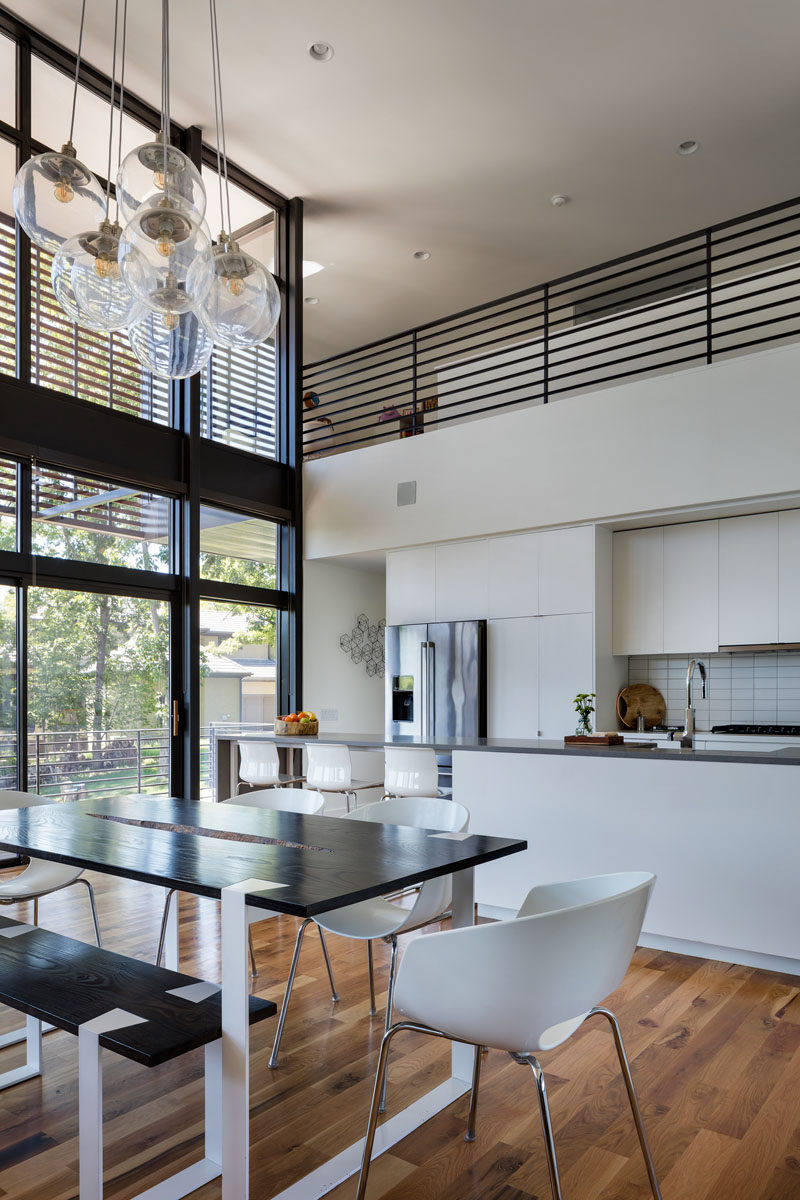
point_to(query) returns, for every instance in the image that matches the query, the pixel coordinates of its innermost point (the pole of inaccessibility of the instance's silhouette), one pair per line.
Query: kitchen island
(720, 829)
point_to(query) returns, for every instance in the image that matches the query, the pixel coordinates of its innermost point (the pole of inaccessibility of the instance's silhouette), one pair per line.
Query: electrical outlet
(329, 714)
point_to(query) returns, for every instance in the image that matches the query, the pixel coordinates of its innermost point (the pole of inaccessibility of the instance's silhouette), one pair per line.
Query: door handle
(176, 719)
(431, 689)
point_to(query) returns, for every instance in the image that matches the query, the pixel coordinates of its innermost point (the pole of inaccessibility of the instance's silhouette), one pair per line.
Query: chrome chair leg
(372, 1009)
(334, 993)
(380, 1076)
(634, 1102)
(252, 950)
(90, 890)
(547, 1125)
(163, 933)
(469, 1136)
(388, 1025)
(287, 995)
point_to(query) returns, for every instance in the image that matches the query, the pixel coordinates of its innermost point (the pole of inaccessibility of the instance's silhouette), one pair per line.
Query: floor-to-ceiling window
(148, 530)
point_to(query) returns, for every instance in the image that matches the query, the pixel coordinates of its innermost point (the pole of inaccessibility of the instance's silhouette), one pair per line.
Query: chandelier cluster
(153, 269)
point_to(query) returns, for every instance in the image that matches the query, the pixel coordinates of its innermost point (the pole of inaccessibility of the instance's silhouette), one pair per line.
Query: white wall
(713, 434)
(333, 596)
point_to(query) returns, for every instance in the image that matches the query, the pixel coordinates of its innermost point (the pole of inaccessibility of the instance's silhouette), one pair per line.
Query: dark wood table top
(322, 862)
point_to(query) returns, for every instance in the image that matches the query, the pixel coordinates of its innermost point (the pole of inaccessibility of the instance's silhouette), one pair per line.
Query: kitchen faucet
(687, 735)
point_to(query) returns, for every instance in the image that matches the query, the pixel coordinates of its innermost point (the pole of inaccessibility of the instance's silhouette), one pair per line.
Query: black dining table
(253, 859)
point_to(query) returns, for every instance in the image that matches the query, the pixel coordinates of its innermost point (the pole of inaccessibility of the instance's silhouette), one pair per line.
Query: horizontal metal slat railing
(79, 764)
(731, 289)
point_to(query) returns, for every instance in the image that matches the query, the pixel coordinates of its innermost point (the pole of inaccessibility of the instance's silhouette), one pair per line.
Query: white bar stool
(259, 766)
(411, 771)
(330, 769)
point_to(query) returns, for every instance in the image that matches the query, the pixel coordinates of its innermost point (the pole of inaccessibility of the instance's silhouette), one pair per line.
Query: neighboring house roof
(215, 620)
(261, 671)
(219, 665)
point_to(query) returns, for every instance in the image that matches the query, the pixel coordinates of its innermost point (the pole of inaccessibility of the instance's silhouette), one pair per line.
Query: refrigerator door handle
(423, 690)
(432, 689)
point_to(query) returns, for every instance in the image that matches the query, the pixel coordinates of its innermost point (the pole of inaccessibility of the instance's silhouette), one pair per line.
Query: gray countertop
(665, 751)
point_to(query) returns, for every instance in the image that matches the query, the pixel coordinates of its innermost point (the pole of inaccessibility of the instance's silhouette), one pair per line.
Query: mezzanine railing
(726, 290)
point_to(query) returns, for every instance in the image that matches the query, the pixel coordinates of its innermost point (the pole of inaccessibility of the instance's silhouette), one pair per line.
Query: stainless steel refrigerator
(436, 680)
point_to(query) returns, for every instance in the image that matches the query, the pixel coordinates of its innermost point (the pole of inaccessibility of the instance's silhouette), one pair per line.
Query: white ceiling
(447, 125)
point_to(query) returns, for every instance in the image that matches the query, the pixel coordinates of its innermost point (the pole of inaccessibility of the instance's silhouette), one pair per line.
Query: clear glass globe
(165, 259)
(101, 294)
(243, 303)
(154, 171)
(61, 279)
(55, 196)
(171, 346)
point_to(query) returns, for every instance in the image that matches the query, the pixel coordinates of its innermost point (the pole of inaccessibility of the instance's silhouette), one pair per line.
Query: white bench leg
(32, 1036)
(90, 1116)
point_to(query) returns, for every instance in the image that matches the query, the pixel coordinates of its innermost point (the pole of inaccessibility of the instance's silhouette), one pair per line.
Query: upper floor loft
(728, 290)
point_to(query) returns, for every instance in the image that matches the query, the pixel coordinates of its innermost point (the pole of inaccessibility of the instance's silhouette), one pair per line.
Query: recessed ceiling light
(422, 255)
(310, 267)
(321, 51)
(559, 201)
(312, 299)
(688, 147)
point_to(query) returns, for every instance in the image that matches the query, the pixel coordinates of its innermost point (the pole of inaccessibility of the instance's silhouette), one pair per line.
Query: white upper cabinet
(462, 581)
(789, 576)
(691, 587)
(410, 586)
(748, 580)
(514, 575)
(638, 592)
(566, 570)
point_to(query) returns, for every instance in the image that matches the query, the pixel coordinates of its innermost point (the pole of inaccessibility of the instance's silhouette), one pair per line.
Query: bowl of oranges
(301, 724)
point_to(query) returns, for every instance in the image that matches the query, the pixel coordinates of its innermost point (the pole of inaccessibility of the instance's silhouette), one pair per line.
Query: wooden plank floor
(715, 1052)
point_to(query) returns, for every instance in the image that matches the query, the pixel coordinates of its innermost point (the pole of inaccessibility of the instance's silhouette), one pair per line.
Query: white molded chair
(41, 877)
(259, 766)
(330, 769)
(276, 799)
(523, 986)
(379, 918)
(410, 771)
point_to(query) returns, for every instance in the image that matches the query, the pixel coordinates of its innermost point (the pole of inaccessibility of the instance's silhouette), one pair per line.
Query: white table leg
(171, 939)
(463, 1057)
(235, 1088)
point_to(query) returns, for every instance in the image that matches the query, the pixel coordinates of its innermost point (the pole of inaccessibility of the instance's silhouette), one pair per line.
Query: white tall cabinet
(546, 596)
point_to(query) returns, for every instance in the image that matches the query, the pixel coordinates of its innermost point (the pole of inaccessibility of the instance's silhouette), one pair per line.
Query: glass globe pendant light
(242, 292)
(171, 346)
(156, 170)
(165, 238)
(55, 195)
(243, 302)
(85, 272)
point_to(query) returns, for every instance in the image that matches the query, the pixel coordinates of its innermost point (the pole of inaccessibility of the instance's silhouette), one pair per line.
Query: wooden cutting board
(641, 698)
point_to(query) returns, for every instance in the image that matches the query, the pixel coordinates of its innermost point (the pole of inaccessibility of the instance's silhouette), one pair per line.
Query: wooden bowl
(296, 728)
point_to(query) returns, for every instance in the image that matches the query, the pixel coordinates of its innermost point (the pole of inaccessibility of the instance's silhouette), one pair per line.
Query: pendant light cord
(215, 40)
(74, 88)
(111, 109)
(121, 99)
(165, 79)
(216, 117)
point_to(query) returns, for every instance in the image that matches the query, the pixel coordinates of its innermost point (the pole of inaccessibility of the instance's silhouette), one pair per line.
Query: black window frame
(38, 423)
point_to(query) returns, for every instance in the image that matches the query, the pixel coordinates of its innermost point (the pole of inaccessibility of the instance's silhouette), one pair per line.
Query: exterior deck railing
(726, 290)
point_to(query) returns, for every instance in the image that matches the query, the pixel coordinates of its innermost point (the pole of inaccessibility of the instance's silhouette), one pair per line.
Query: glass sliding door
(98, 690)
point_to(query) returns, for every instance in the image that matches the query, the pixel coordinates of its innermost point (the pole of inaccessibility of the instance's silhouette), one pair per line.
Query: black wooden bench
(143, 1012)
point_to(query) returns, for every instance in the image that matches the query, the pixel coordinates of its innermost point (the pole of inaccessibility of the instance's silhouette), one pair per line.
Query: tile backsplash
(741, 688)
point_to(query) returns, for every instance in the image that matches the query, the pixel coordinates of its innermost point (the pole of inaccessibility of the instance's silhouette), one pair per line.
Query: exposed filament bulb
(171, 320)
(105, 267)
(158, 180)
(165, 244)
(235, 284)
(63, 190)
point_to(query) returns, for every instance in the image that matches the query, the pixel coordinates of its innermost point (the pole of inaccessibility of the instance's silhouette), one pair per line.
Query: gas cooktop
(767, 730)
